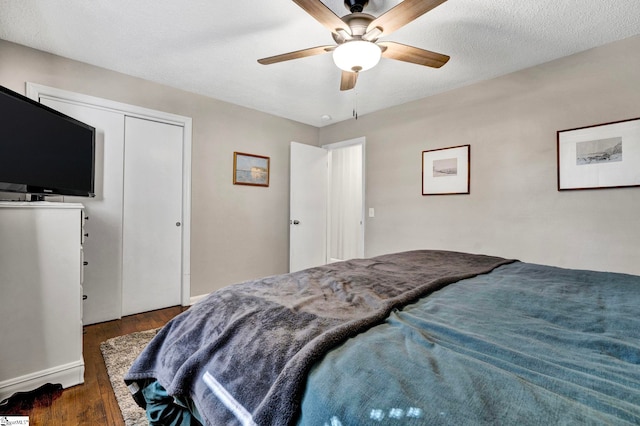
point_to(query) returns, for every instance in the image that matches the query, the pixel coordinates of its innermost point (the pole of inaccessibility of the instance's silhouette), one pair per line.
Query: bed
(411, 338)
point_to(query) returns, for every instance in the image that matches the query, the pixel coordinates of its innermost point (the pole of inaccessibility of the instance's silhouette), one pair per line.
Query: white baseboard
(67, 375)
(195, 299)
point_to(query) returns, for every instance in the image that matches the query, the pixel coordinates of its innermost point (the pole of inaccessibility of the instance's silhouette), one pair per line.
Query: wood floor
(92, 403)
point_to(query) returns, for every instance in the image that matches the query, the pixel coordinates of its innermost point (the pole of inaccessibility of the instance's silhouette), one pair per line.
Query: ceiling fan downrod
(355, 6)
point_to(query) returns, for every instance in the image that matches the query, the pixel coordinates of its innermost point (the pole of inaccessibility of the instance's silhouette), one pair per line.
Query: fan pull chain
(355, 104)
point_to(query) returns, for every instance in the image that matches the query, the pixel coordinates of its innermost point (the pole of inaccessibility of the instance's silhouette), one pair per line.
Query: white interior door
(152, 216)
(308, 207)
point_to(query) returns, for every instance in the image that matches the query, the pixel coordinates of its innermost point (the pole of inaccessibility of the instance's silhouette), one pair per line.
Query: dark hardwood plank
(93, 402)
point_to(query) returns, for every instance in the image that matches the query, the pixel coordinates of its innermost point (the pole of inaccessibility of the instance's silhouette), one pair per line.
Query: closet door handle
(296, 222)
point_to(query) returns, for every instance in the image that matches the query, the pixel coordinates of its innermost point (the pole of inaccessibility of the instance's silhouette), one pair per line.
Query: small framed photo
(249, 169)
(599, 156)
(446, 171)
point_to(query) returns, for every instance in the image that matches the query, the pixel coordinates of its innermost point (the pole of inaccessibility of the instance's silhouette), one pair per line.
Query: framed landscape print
(249, 169)
(446, 171)
(599, 156)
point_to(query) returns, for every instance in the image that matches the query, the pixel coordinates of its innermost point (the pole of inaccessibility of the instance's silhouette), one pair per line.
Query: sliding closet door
(152, 216)
(103, 248)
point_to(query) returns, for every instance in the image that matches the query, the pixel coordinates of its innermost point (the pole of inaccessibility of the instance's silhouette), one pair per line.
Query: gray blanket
(255, 342)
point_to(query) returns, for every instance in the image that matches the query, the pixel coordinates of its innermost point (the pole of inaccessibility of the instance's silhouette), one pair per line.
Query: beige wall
(514, 209)
(238, 232)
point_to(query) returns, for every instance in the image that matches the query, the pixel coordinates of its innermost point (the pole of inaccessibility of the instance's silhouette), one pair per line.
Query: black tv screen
(43, 151)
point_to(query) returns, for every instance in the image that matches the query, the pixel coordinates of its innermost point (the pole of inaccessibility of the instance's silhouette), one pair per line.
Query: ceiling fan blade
(402, 52)
(348, 80)
(297, 54)
(402, 14)
(324, 15)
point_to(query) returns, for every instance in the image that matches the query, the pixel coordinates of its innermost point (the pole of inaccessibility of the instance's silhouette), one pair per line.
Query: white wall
(514, 209)
(238, 232)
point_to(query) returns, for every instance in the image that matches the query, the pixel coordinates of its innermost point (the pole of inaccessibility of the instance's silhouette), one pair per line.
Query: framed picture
(446, 171)
(249, 169)
(599, 156)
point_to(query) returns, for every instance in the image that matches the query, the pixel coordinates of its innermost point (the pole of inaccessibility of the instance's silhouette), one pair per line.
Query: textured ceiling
(211, 47)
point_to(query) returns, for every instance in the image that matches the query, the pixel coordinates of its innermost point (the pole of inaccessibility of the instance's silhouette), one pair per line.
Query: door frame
(337, 145)
(37, 91)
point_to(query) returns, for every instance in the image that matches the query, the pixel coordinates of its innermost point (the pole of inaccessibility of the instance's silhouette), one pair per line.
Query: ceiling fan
(357, 35)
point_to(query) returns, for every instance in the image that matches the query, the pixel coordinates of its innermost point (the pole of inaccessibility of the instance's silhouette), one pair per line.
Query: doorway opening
(326, 203)
(345, 207)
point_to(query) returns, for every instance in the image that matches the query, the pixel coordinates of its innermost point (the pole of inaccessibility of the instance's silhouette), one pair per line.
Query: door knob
(178, 224)
(296, 222)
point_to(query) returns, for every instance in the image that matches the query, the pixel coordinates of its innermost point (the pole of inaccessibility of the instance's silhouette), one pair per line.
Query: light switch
(372, 213)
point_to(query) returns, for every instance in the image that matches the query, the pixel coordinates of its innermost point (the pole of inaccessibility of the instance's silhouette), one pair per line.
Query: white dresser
(41, 266)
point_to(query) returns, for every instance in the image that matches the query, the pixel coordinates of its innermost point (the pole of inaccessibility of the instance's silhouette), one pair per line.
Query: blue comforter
(525, 344)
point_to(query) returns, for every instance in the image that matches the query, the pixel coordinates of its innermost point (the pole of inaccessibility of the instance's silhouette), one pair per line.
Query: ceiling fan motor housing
(355, 5)
(358, 22)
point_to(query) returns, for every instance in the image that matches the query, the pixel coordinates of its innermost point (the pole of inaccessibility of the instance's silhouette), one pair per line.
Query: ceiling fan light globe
(357, 55)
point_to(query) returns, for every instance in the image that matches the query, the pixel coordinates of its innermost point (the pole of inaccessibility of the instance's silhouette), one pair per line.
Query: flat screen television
(42, 151)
